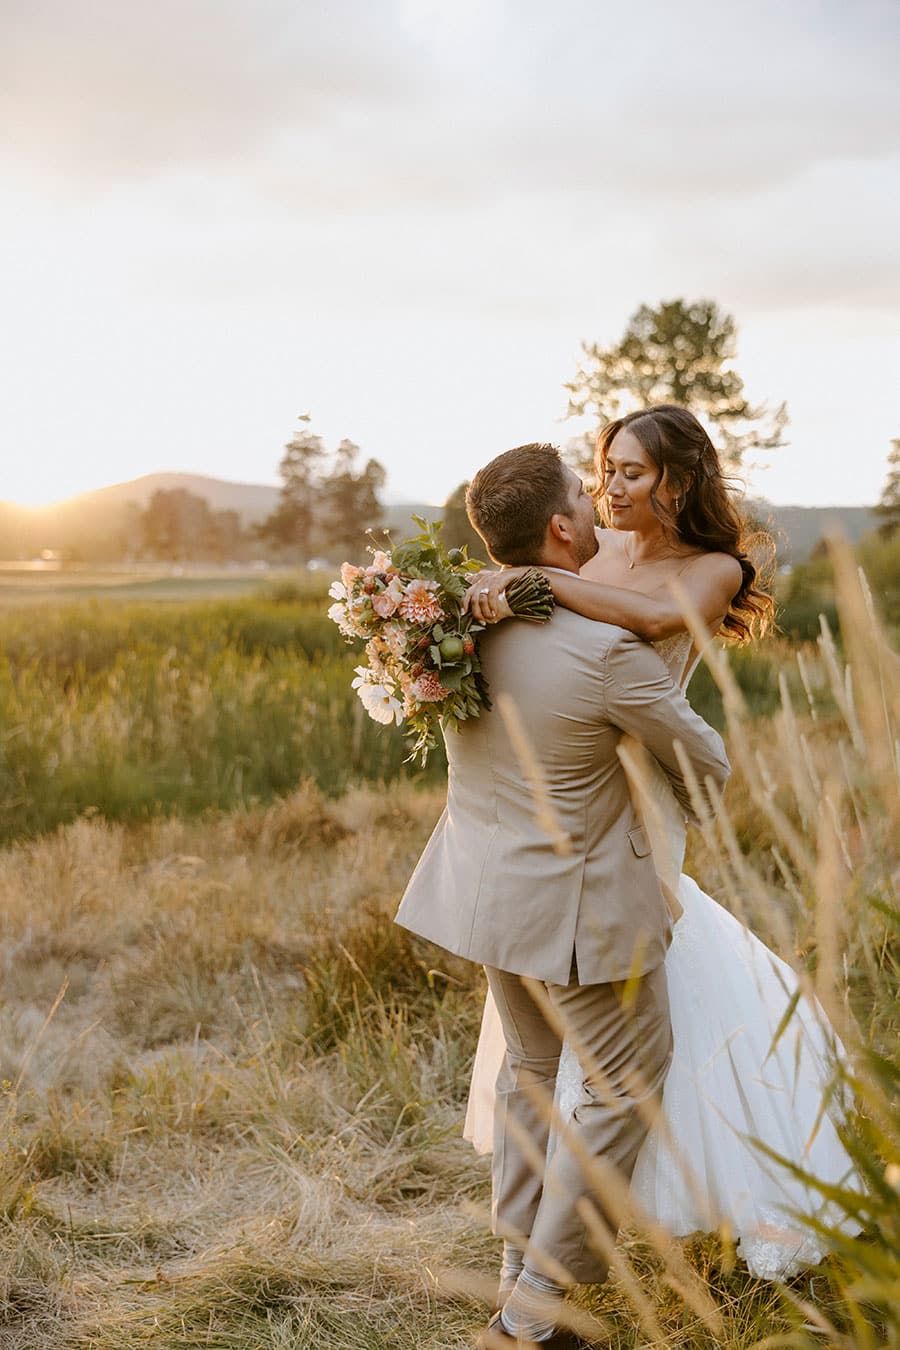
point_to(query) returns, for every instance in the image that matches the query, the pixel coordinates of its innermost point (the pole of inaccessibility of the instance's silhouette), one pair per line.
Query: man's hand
(485, 599)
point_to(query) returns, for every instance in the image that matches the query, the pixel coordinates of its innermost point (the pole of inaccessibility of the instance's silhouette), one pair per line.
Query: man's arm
(643, 700)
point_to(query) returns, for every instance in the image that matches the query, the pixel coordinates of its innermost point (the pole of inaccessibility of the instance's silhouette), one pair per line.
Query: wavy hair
(706, 516)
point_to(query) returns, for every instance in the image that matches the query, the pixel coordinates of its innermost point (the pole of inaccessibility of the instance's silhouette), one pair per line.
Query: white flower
(337, 590)
(377, 699)
(338, 614)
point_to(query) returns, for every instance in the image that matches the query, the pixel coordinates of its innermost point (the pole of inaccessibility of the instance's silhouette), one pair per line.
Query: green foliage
(879, 557)
(350, 505)
(888, 508)
(756, 670)
(426, 556)
(809, 590)
(458, 530)
(324, 510)
(135, 710)
(178, 525)
(291, 523)
(680, 353)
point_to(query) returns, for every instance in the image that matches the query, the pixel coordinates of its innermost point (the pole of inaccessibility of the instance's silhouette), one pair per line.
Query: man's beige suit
(493, 885)
(490, 885)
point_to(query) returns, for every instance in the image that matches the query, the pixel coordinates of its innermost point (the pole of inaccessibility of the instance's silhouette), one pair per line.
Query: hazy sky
(404, 216)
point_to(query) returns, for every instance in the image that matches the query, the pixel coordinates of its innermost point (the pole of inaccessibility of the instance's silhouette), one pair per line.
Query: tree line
(327, 503)
(676, 352)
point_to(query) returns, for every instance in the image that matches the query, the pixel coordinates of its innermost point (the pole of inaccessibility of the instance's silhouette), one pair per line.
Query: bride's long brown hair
(706, 516)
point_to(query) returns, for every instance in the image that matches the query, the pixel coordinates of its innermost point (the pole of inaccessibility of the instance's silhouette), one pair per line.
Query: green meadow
(134, 707)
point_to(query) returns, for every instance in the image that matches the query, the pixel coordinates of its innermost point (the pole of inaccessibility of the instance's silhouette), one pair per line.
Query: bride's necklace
(670, 553)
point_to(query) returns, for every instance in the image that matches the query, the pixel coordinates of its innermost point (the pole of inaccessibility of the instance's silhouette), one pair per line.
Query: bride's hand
(485, 599)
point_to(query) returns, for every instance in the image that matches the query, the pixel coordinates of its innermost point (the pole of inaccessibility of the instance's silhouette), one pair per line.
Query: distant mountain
(102, 524)
(798, 529)
(398, 517)
(252, 501)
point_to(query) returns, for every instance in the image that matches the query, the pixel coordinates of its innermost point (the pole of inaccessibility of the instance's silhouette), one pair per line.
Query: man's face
(580, 513)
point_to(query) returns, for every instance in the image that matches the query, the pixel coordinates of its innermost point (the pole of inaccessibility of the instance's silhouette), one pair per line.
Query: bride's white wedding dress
(726, 1085)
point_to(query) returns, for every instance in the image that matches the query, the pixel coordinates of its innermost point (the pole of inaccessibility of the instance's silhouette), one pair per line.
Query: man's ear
(560, 528)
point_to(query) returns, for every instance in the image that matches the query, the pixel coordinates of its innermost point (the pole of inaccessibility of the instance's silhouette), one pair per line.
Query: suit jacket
(493, 884)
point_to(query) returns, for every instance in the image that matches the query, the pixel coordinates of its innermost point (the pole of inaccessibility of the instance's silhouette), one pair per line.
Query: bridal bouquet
(422, 665)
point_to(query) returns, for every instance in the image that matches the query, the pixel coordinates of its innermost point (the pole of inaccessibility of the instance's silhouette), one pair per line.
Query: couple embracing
(611, 1055)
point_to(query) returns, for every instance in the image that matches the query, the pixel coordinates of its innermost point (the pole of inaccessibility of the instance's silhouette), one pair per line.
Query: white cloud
(406, 215)
(103, 90)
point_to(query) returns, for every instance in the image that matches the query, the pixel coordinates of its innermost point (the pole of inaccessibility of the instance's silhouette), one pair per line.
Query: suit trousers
(568, 1209)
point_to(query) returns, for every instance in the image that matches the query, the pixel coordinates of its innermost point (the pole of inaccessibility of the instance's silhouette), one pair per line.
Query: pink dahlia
(428, 688)
(420, 604)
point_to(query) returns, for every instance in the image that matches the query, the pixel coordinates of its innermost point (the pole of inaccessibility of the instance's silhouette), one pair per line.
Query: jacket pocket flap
(639, 842)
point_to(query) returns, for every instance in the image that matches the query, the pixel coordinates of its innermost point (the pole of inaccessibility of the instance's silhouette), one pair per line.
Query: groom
(559, 899)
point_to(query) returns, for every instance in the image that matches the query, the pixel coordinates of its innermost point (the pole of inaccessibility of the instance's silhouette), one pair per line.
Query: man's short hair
(511, 500)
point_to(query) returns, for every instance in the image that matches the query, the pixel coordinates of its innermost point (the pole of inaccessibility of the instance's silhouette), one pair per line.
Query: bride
(733, 1080)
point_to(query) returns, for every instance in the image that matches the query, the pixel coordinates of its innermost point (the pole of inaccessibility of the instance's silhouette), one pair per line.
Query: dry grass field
(233, 1089)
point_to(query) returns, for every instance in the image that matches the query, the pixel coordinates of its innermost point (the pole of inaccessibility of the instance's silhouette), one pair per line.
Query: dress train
(726, 1087)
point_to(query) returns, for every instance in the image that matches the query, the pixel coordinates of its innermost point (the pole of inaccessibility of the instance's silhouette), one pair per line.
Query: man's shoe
(495, 1337)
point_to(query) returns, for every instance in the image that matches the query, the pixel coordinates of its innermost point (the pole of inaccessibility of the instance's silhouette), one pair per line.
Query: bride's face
(629, 477)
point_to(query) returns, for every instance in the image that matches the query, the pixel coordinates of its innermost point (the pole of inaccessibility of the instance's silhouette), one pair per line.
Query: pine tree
(350, 502)
(888, 508)
(291, 524)
(677, 353)
(458, 531)
(175, 525)
(321, 508)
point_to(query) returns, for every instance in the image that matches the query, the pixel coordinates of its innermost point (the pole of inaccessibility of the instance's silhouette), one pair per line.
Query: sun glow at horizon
(35, 498)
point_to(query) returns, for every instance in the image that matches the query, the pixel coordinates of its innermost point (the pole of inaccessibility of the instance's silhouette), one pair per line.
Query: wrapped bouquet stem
(530, 597)
(422, 670)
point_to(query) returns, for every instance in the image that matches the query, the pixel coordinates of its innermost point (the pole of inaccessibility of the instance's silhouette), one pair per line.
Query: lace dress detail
(677, 652)
(725, 1086)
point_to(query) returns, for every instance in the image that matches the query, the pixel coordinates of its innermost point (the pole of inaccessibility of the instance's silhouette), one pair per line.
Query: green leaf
(783, 1024)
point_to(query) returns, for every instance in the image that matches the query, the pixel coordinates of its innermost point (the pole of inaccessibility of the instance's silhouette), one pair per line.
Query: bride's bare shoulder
(610, 550)
(723, 568)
